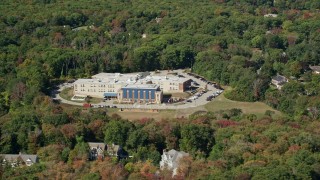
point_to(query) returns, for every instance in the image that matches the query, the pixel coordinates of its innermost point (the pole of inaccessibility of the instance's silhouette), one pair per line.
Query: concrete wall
(89, 89)
(171, 86)
(95, 89)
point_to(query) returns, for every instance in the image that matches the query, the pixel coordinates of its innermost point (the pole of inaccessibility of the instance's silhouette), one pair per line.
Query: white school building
(109, 84)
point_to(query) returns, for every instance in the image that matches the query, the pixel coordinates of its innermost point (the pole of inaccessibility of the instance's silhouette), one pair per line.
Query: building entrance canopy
(110, 94)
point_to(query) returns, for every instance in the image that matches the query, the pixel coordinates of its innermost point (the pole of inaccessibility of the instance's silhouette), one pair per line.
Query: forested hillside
(226, 41)
(222, 145)
(43, 42)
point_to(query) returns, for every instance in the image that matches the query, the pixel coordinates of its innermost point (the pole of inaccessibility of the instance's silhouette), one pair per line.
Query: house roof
(97, 145)
(175, 156)
(24, 157)
(113, 148)
(315, 68)
(271, 15)
(117, 150)
(279, 78)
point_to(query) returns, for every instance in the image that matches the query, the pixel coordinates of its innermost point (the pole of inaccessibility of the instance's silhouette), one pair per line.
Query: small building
(279, 81)
(170, 160)
(315, 69)
(271, 15)
(96, 150)
(16, 160)
(141, 93)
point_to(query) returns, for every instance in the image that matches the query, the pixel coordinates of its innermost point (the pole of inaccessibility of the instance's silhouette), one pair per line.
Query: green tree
(146, 59)
(117, 132)
(80, 151)
(137, 139)
(144, 154)
(196, 139)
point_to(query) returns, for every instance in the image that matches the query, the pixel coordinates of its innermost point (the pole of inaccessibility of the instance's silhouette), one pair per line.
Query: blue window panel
(153, 94)
(141, 94)
(130, 93)
(124, 95)
(135, 93)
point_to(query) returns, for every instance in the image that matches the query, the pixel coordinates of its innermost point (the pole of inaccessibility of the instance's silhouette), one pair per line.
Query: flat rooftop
(95, 81)
(141, 86)
(104, 81)
(133, 78)
(169, 78)
(115, 76)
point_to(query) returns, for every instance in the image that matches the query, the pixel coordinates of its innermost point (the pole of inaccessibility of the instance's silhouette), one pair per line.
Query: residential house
(116, 151)
(171, 159)
(20, 159)
(279, 81)
(96, 150)
(315, 69)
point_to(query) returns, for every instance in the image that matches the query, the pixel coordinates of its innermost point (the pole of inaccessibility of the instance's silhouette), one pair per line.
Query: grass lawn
(219, 103)
(257, 108)
(165, 114)
(180, 95)
(66, 93)
(162, 114)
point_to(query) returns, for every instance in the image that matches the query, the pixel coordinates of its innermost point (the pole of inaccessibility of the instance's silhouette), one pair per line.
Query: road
(202, 100)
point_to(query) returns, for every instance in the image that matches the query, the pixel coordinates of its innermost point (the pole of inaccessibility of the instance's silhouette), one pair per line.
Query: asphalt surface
(202, 100)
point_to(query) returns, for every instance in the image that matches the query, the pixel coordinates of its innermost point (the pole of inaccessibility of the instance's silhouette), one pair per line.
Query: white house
(171, 159)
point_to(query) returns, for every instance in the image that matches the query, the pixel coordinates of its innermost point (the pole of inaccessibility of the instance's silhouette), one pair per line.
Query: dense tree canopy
(231, 42)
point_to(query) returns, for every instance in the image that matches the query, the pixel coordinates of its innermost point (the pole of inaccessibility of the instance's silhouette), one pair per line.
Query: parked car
(87, 105)
(209, 98)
